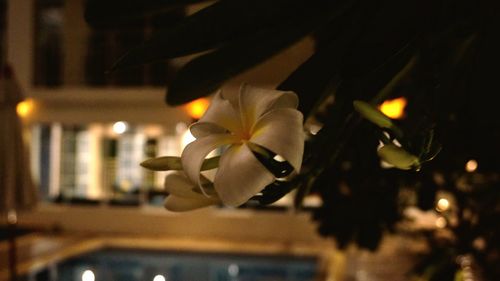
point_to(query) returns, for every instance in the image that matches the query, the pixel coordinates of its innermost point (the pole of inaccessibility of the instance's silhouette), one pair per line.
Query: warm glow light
(395, 108)
(442, 205)
(25, 107)
(120, 127)
(471, 166)
(159, 278)
(88, 275)
(197, 108)
(441, 222)
(12, 217)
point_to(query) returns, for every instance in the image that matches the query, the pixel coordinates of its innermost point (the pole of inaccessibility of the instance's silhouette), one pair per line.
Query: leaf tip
(372, 114)
(147, 164)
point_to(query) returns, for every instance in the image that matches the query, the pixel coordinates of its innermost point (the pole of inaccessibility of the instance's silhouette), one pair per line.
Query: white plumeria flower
(262, 117)
(186, 196)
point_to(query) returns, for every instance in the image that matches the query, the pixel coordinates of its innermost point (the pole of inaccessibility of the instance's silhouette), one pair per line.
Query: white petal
(203, 129)
(178, 184)
(233, 98)
(195, 153)
(219, 117)
(182, 195)
(180, 204)
(240, 176)
(255, 102)
(281, 131)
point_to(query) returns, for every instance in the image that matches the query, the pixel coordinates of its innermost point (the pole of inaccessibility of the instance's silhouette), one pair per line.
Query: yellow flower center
(245, 136)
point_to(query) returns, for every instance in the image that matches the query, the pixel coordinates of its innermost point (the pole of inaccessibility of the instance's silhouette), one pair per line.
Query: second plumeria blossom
(253, 118)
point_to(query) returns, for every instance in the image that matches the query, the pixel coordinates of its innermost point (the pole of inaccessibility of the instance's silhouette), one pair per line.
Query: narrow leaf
(372, 114)
(388, 89)
(279, 169)
(313, 79)
(206, 73)
(392, 26)
(113, 12)
(212, 27)
(273, 192)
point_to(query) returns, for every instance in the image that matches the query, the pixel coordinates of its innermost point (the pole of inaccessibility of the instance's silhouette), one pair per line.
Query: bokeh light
(197, 108)
(25, 107)
(395, 108)
(442, 205)
(88, 275)
(159, 278)
(120, 127)
(441, 222)
(471, 166)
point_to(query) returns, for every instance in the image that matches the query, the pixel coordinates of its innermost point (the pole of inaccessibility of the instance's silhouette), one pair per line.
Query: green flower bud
(398, 157)
(372, 114)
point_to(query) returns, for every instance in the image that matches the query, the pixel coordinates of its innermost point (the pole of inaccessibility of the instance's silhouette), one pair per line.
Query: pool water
(135, 265)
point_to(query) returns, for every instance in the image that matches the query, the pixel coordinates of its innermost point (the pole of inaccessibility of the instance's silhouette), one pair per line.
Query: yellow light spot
(25, 107)
(442, 205)
(197, 108)
(471, 166)
(395, 108)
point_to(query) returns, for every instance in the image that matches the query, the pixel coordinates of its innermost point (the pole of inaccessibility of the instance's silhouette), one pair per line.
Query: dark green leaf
(373, 114)
(303, 190)
(113, 12)
(167, 163)
(338, 128)
(313, 78)
(482, 83)
(274, 192)
(206, 73)
(279, 169)
(394, 25)
(372, 84)
(212, 27)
